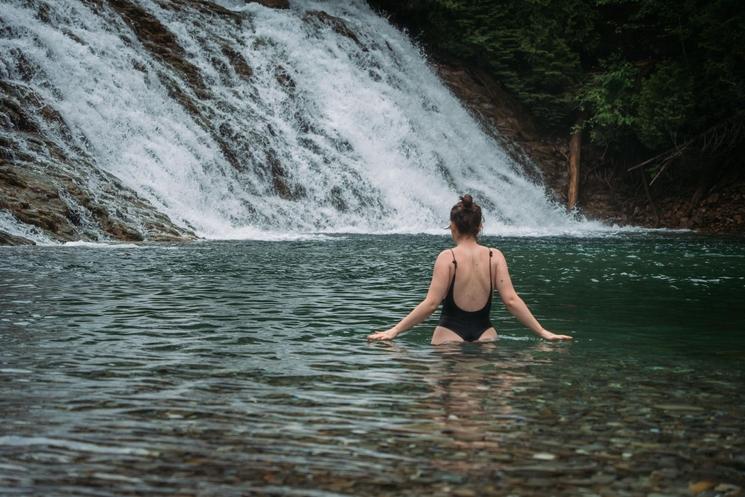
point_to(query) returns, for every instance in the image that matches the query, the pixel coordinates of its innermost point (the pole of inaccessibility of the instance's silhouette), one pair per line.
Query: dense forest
(656, 87)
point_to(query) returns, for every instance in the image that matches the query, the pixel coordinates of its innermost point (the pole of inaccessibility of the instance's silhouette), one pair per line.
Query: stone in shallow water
(464, 492)
(501, 457)
(678, 408)
(550, 469)
(539, 482)
(544, 456)
(728, 489)
(700, 486)
(603, 479)
(577, 482)
(663, 474)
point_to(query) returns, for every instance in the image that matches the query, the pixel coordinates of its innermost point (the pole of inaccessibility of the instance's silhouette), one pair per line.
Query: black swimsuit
(469, 325)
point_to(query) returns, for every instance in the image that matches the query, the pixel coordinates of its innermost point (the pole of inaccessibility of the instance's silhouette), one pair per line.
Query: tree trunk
(575, 149)
(649, 198)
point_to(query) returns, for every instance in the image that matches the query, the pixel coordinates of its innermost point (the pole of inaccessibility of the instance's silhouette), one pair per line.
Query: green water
(241, 368)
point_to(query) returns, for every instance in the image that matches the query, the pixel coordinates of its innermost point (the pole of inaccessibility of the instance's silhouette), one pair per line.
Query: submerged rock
(544, 456)
(728, 489)
(700, 486)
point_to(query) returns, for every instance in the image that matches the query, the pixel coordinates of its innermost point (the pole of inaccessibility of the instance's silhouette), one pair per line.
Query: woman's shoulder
(444, 259)
(445, 254)
(495, 252)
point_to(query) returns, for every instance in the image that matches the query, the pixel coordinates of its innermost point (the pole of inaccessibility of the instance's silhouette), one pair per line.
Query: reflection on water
(241, 369)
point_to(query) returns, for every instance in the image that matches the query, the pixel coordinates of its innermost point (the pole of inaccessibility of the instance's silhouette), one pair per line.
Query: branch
(722, 136)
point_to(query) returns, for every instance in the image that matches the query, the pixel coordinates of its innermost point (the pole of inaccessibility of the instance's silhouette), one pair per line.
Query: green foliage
(664, 105)
(531, 46)
(609, 100)
(646, 73)
(530, 53)
(621, 105)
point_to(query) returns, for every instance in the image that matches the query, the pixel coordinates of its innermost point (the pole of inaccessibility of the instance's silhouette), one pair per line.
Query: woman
(463, 281)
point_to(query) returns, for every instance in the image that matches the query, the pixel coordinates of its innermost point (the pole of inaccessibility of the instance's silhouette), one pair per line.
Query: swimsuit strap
(455, 270)
(491, 283)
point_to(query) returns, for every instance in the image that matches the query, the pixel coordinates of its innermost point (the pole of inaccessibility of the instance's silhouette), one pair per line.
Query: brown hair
(466, 216)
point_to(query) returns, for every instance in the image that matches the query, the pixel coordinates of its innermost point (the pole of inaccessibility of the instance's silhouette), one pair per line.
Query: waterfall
(230, 119)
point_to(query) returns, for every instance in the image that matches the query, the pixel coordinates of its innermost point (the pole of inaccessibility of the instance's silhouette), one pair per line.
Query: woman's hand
(389, 334)
(547, 335)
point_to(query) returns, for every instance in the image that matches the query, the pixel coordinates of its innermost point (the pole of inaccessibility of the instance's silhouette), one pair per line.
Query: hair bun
(467, 201)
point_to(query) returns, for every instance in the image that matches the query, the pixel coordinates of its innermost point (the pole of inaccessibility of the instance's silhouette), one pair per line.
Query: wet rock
(204, 7)
(158, 40)
(17, 104)
(337, 199)
(239, 64)
(26, 68)
(272, 4)
(284, 78)
(279, 181)
(56, 198)
(335, 23)
(8, 239)
(188, 88)
(34, 200)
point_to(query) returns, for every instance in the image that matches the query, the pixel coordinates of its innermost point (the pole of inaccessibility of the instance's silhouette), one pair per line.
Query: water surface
(241, 368)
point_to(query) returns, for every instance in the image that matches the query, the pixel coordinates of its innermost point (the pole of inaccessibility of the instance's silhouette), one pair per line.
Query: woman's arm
(437, 291)
(515, 304)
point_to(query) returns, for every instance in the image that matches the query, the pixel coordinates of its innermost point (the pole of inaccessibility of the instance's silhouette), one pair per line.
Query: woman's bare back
(472, 286)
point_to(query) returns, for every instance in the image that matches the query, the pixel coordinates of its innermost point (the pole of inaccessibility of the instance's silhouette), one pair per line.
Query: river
(241, 368)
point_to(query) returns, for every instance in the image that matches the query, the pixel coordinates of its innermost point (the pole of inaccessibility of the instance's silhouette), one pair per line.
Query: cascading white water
(336, 125)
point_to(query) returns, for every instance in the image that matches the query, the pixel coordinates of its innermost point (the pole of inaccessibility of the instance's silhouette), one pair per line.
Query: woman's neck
(465, 241)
